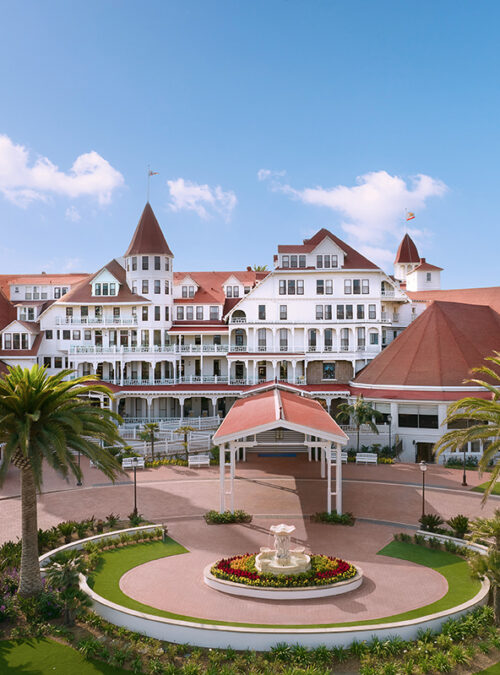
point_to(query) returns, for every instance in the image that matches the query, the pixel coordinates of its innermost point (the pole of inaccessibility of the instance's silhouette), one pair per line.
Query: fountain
(282, 559)
(282, 572)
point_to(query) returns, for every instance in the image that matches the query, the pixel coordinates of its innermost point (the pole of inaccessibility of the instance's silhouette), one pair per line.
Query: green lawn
(482, 487)
(41, 657)
(115, 563)
(492, 670)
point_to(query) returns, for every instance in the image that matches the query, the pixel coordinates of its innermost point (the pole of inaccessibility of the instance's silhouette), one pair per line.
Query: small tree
(259, 268)
(484, 414)
(488, 529)
(185, 431)
(149, 436)
(360, 412)
(62, 573)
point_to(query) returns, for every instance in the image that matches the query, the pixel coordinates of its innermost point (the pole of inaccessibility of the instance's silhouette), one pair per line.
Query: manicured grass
(482, 488)
(41, 657)
(492, 670)
(455, 570)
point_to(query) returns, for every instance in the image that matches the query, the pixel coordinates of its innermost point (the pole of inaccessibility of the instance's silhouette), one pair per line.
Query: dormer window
(302, 260)
(188, 291)
(428, 276)
(285, 261)
(105, 288)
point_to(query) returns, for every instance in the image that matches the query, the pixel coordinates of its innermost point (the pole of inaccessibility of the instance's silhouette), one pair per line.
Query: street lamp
(464, 478)
(134, 464)
(389, 420)
(79, 481)
(423, 469)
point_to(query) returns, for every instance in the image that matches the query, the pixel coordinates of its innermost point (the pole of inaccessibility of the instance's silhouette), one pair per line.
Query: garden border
(221, 636)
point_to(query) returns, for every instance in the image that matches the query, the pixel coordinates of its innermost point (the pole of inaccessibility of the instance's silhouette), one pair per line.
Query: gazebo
(249, 421)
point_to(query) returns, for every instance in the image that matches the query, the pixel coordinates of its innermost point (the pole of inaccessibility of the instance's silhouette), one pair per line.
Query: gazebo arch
(280, 408)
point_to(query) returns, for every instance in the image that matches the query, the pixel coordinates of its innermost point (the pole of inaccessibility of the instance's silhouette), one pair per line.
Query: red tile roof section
(23, 352)
(82, 293)
(426, 267)
(274, 407)
(407, 251)
(470, 296)
(353, 259)
(438, 349)
(7, 280)
(210, 285)
(8, 312)
(148, 237)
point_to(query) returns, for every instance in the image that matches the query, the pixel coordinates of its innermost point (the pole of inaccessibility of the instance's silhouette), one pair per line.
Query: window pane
(356, 286)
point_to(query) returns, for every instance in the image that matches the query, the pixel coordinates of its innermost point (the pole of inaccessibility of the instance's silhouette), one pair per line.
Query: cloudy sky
(265, 122)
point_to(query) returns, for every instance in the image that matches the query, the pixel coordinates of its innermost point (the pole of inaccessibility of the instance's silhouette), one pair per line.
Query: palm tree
(482, 417)
(360, 412)
(185, 430)
(148, 435)
(42, 419)
(259, 268)
(488, 529)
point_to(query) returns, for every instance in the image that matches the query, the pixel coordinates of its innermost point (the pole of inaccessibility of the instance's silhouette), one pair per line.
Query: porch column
(294, 371)
(214, 400)
(274, 364)
(149, 402)
(222, 471)
(338, 479)
(328, 453)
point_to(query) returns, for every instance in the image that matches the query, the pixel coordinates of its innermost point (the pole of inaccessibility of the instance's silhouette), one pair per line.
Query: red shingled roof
(7, 280)
(407, 251)
(8, 312)
(24, 352)
(277, 408)
(148, 237)
(469, 296)
(353, 259)
(210, 285)
(426, 267)
(83, 291)
(438, 349)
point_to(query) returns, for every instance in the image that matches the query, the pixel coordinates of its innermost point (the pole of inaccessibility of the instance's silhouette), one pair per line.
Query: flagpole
(149, 178)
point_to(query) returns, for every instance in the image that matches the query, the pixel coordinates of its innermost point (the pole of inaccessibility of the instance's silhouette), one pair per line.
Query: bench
(199, 460)
(366, 458)
(343, 457)
(130, 462)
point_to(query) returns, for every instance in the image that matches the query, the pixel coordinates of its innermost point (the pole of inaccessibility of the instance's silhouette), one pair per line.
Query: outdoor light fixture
(423, 469)
(464, 478)
(389, 420)
(134, 464)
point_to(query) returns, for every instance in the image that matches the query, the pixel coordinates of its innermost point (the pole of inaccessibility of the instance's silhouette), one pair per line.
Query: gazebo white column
(230, 482)
(333, 455)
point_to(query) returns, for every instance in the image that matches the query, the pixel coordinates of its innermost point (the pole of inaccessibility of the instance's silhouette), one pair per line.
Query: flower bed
(325, 570)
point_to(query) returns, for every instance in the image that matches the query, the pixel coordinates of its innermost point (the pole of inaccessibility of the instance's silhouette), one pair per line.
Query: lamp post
(134, 464)
(389, 420)
(79, 481)
(423, 469)
(464, 478)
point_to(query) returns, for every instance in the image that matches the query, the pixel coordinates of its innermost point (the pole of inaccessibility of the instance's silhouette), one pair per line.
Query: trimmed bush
(334, 518)
(216, 518)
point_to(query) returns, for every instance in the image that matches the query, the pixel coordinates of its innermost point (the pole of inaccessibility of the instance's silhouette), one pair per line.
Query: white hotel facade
(180, 344)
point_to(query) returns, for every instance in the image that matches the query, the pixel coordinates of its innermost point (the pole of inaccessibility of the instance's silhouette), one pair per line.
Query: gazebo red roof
(274, 409)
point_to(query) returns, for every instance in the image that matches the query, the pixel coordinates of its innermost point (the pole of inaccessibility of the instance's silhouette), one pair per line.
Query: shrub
(334, 518)
(216, 518)
(430, 522)
(135, 519)
(81, 529)
(459, 524)
(66, 529)
(99, 526)
(112, 519)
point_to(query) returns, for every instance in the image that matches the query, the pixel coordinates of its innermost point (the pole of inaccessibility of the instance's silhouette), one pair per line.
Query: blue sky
(265, 120)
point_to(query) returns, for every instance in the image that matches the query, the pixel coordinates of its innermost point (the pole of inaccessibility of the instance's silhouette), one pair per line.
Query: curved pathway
(271, 486)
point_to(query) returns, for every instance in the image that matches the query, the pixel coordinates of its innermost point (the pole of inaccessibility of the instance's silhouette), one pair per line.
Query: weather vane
(150, 173)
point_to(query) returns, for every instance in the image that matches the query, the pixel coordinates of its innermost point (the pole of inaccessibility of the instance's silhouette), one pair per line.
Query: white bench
(366, 458)
(130, 462)
(199, 460)
(343, 457)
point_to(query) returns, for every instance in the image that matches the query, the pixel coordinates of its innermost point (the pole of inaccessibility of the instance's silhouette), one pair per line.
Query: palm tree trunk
(30, 581)
(153, 448)
(496, 603)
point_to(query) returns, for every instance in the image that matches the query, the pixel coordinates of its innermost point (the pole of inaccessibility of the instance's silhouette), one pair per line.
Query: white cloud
(268, 174)
(72, 214)
(23, 181)
(372, 211)
(202, 199)
(72, 265)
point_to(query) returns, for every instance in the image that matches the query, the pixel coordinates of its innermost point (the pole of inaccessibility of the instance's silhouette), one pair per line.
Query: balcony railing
(238, 319)
(138, 349)
(195, 379)
(96, 321)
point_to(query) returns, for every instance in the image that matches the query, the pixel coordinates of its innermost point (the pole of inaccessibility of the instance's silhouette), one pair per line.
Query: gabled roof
(8, 312)
(210, 285)
(407, 251)
(7, 280)
(426, 267)
(275, 409)
(148, 237)
(438, 349)
(20, 353)
(353, 259)
(82, 293)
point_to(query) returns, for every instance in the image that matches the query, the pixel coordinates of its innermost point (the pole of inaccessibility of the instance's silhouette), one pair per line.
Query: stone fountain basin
(304, 592)
(266, 562)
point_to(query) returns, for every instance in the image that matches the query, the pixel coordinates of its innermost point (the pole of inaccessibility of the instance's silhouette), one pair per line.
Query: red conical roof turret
(148, 237)
(407, 251)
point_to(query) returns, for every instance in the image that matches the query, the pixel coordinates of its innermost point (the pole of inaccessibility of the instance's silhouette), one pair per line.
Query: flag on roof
(410, 215)
(153, 173)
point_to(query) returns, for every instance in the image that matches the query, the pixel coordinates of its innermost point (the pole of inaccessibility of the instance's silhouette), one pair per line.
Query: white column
(232, 458)
(222, 470)
(328, 453)
(149, 401)
(214, 400)
(274, 364)
(338, 479)
(323, 459)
